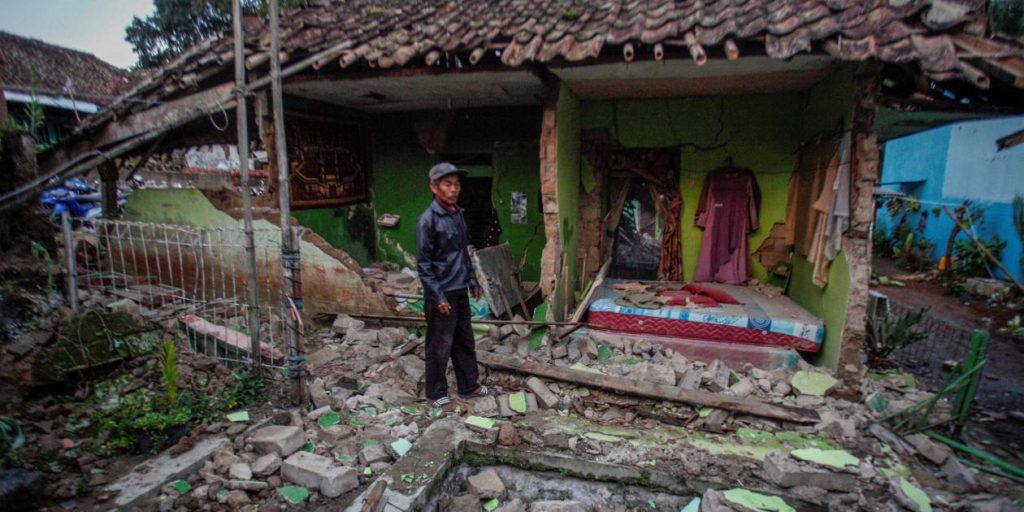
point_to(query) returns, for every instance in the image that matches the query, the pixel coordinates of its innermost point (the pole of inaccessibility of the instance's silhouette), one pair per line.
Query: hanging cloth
(831, 213)
(727, 211)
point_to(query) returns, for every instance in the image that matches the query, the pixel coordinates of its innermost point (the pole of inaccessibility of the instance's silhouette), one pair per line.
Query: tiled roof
(58, 71)
(393, 33)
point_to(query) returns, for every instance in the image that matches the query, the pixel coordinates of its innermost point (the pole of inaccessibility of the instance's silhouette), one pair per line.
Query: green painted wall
(567, 154)
(400, 184)
(350, 228)
(758, 132)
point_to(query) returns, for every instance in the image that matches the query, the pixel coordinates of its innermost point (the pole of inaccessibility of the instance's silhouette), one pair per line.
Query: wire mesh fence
(930, 359)
(195, 276)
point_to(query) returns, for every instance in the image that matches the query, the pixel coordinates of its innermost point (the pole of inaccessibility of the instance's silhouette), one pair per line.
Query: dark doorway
(637, 245)
(481, 217)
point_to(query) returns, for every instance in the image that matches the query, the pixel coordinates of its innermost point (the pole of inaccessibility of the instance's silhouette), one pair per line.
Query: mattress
(758, 319)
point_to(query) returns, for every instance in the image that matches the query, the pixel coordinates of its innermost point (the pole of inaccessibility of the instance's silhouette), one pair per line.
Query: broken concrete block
(833, 425)
(507, 435)
(315, 414)
(373, 452)
(690, 379)
(654, 373)
(362, 337)
(465, 503)
(589, 348)
(985, 287)
(240, 471)
(958, 477)
(266, 465)
(323, 356)
(559, 351)
(785, 472)
(717, 376)
(486, 484)
(935, 452)
(557, 506)
(742, 389)
(781, 389)
(515, 505)
(311, 470)
(545, 397)
(642, 346)
(389, 337)
(318, 393)
(486, 406)
(342, 323)
(414, 367)
(279, 439)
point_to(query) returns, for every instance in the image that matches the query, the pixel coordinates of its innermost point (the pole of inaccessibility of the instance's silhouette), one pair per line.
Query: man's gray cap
(443, 169)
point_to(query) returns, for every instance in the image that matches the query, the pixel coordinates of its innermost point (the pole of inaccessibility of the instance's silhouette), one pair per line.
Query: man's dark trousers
(450, 336)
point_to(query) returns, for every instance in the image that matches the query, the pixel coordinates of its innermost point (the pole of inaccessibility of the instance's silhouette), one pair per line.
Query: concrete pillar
(549, 193)
(856, 244)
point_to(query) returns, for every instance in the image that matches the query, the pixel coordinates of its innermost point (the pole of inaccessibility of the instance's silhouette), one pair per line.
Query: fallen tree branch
(647, 389)
(974, 238)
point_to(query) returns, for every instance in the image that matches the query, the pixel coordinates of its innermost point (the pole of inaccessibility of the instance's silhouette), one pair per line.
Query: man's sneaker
(480, 391)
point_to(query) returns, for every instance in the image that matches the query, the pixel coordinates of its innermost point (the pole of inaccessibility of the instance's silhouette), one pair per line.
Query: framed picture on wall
(327, 160)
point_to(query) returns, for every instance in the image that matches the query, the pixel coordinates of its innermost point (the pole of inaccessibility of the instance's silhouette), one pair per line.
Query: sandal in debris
(480, 391)
(444, 403)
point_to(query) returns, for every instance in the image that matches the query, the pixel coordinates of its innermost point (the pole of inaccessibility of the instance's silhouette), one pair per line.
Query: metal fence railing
(199, 276)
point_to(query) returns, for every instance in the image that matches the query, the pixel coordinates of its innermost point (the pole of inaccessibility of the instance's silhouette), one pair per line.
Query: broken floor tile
(757, 501)
(837, 459)
(239, 416)
(401, 447)
(294, 494)
(517, 402)
(479, 422)
(910, 495)
(812, 383)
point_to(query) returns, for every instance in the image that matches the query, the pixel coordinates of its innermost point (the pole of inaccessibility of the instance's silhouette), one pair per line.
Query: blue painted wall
(954, 163)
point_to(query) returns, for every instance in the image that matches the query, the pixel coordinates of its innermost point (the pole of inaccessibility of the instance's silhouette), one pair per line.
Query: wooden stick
(486, 321)
(372, 502)
(647, 389)
(984, 249)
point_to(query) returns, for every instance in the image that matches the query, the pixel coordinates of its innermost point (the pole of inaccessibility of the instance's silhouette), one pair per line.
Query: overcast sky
(94, 26)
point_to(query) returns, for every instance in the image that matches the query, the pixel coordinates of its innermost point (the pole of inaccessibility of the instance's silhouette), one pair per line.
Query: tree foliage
(1007, 16)
(176, 25)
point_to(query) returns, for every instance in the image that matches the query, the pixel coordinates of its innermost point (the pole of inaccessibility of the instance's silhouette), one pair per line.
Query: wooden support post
(856, 244)
(549, 193)
(648, 389)
(108, 189)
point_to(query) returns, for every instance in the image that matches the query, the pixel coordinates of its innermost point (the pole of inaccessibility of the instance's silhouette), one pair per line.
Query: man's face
(446, 190)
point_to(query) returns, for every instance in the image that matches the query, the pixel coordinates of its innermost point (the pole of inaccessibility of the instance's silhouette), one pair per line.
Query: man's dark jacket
(442, 259)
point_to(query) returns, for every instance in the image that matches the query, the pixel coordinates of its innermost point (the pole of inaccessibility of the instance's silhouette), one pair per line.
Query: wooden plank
(585, 303)
(1002, 61)
(233, 339)
(647, 389)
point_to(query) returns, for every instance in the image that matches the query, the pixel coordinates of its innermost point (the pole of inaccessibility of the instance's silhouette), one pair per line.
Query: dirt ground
(949, 322)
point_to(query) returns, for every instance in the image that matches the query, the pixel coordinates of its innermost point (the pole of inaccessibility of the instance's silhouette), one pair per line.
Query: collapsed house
(619, 151)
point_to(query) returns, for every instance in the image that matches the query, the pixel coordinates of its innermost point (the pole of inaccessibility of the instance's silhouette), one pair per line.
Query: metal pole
(72, 265)
(242, 120)
(290, 258)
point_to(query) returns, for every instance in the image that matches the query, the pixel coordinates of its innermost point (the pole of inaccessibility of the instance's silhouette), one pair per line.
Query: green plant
(169, 369)
(1013, 326)
(12, 436)
(971, 260)
(38, 251)
(911, 252)
(249, 389)
(886, 334)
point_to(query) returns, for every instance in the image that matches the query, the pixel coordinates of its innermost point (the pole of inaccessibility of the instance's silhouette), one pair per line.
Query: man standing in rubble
(445, 269)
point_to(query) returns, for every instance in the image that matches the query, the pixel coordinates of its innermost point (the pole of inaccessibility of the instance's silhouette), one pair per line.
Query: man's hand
(476, 293)
(444, 308)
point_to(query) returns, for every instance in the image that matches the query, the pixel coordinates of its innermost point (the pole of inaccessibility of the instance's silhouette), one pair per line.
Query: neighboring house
(977, 161)
(555, 106)
(69, 85)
